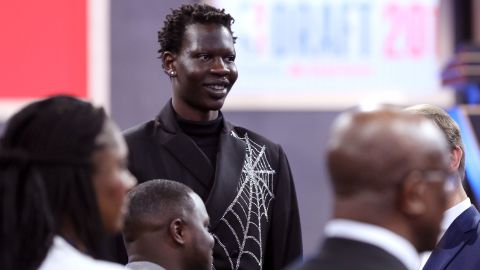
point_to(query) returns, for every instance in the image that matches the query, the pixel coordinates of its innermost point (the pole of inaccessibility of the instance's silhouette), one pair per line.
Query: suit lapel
(452, 241)
(184, 149)
(230, 161)
(442, 255)
(189, 155)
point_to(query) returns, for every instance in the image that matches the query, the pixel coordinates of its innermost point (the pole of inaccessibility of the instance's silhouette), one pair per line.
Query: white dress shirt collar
(143, 265)
(377, 236)
(453, 212)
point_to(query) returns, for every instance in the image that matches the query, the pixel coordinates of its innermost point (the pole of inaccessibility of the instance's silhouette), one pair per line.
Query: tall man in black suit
(389, 170)
(459, 243)
(243, 178)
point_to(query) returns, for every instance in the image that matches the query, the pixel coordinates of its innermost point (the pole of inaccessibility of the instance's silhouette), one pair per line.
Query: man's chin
(216, 105)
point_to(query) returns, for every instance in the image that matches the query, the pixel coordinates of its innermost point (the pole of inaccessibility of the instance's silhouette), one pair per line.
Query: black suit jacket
(344, 254)
(252, 204)
(459, 247)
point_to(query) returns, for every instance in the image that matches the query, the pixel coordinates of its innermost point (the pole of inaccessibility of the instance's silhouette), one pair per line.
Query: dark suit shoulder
(345, 254)
(459, 246)
(274, 152)
(260, 139)
(139, 130)
(142, 136)
(140, 140)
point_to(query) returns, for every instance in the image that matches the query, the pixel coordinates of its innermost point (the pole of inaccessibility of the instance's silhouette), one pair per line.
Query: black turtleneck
(205, 134)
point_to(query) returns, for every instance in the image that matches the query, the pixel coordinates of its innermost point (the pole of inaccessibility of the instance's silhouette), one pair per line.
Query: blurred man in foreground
(390, 174)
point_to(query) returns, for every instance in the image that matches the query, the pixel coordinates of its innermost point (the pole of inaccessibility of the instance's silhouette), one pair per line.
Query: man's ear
(168, 60)
(412, 195)
(456, 156)
(177, 231)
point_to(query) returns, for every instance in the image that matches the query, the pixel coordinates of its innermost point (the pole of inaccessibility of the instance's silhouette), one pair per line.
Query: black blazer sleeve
(285, 237)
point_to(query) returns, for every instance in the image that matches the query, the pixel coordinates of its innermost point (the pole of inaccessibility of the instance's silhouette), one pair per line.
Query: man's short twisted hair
(153, 203)
(171, 35)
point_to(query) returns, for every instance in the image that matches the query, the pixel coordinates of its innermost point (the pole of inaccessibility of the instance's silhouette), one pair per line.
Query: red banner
(43, 48)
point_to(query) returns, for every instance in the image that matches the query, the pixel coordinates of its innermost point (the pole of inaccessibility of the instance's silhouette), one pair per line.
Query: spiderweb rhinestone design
(245, 215)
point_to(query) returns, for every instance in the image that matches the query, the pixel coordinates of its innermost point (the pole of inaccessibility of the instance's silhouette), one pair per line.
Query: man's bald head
(390, 168)
(372, 150)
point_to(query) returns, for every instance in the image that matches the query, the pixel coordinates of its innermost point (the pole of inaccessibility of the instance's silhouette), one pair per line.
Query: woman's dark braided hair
(171, 35)
(45, 180)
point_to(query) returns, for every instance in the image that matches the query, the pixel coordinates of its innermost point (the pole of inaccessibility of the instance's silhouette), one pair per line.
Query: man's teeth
(217, 87)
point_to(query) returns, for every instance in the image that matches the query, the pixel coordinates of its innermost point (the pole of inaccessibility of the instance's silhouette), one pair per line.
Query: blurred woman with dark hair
(63, 182)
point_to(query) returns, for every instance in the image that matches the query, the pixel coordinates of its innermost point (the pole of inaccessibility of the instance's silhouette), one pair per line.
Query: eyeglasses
(450, 180)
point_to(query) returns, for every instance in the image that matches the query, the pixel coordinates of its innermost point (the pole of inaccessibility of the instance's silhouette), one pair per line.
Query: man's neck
(189, 113)
(456, 197)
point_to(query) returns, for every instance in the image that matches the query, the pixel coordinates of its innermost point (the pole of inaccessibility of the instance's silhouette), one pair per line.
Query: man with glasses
(389, 171)
(459, 244)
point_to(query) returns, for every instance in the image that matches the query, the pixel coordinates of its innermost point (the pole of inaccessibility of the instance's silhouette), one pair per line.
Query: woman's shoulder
(64, 256)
